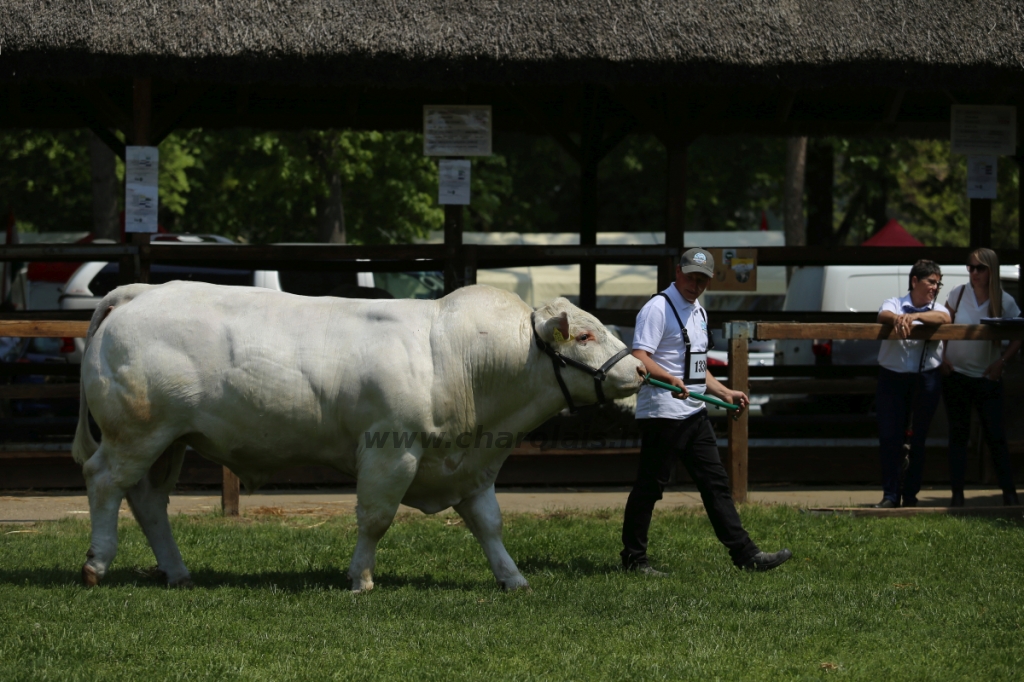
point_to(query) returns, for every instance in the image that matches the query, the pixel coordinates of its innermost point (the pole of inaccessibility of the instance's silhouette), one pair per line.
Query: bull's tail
(85, 446)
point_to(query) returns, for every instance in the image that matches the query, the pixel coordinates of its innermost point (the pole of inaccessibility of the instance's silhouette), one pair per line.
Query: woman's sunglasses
(977, 268)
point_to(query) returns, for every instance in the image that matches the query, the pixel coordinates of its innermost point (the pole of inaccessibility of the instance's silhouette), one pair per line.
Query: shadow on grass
(572, 567)
(293, 582)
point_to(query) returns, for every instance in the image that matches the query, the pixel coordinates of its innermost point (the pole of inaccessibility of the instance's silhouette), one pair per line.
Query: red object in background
(764, 222)
(60, 273)
(892, 234)
(822, 349)
(715, 362)
(67, 345)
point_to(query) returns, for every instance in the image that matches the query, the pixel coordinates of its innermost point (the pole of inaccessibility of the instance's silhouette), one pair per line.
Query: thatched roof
(790, 43)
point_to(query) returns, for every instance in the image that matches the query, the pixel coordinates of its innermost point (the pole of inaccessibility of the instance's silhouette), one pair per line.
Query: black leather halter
(558, 361)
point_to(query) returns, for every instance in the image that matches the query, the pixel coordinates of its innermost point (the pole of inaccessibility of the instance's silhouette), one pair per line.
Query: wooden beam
(892, 107)
(613, 139)
(104, 106)
(44, 328)
(785, 106)
(88, 117)
(945, 332)
(634, 100)
(867, 255)
(170, 117)
(555, 131)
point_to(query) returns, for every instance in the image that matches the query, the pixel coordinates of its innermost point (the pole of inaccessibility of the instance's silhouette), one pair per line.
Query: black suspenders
(699, 364)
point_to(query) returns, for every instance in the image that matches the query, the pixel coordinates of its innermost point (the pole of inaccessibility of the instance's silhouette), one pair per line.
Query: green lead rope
(698, 396)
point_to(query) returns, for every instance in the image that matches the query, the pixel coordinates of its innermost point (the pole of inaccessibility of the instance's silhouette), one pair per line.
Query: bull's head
(579, 340)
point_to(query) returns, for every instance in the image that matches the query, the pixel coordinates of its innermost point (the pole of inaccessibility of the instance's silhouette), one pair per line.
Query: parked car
(94, 280)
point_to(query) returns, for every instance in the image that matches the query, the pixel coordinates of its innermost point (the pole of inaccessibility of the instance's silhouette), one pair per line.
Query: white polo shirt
(904, 355)
(658, 333)
(972, 358)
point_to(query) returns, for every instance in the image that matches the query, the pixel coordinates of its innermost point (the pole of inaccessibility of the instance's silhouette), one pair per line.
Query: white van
(857, 289)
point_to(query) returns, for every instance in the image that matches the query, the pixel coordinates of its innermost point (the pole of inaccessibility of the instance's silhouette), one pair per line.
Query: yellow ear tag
(558, 336)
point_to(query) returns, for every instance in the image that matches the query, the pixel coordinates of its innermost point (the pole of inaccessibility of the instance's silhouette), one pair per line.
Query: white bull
(258, 380)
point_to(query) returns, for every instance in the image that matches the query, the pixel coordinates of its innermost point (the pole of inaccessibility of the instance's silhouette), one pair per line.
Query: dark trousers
(898, 394)
(693, 441)
(963, 393)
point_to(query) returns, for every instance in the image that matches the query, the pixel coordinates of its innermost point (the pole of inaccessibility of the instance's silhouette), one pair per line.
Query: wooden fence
(465, 260)
(740, 334)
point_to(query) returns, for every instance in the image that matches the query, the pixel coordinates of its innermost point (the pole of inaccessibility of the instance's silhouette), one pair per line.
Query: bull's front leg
(483, 517)
(384, 476)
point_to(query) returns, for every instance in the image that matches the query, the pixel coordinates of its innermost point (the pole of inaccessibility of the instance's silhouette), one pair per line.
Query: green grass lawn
(930, 597)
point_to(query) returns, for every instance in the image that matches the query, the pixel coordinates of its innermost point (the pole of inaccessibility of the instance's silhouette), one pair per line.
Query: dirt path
(22, 507)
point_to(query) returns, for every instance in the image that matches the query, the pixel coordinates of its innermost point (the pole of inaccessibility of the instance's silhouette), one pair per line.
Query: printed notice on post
(454, 182)
(735, 270)
(456, 130)
(983, 130)
(981, 177)
(141, 196)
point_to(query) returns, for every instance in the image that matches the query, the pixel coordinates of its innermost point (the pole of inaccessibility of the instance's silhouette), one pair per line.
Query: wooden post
(453, 260)
(1020, 196)
(981, 223)
(591, 133)
(229, 491)
(736, 459)
(469, 258)
(675, 222)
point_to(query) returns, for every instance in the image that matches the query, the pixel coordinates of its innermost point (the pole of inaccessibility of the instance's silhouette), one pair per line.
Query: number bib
(696, 368)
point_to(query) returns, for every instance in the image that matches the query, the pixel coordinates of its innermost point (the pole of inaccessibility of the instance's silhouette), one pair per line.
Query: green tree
(45, 180)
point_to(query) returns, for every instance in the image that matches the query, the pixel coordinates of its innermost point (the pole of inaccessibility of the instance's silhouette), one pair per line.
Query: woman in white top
(973, 374)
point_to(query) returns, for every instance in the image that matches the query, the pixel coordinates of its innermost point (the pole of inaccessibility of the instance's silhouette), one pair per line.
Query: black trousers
(693, 441)
(963, 393)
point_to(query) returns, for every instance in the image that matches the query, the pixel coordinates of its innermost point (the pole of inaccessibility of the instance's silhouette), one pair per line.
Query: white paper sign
(141, 195)
(454, 182)
(456, 130)
(981, 177)
(983, 130)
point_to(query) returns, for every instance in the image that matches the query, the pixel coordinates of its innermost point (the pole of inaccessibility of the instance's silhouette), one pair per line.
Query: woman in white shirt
(973, 374)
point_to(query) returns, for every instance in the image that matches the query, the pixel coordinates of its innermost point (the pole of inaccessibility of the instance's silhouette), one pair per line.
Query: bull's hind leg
(148, 500)
(104, 502)
(384, 476)
(483, 517)
(109, 473)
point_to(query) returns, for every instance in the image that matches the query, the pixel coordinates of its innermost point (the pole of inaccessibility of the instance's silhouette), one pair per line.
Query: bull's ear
(555, 329)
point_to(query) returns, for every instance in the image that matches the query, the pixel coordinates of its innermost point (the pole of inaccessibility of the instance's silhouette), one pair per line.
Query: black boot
(1010, 499)
(958, 499)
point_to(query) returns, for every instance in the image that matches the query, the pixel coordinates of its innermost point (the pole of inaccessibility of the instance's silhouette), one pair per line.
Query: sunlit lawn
(916, 598)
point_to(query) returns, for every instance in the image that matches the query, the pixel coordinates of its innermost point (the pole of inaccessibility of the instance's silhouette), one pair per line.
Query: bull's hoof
(515, 584)
(90, 578)
(183, 584)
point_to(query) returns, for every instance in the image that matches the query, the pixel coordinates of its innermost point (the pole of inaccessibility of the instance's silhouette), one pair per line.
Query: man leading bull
(672, 341)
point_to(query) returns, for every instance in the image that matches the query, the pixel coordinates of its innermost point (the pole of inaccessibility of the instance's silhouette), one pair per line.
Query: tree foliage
(273, 186)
